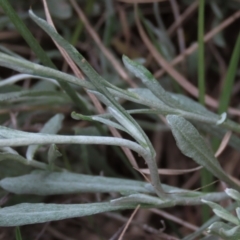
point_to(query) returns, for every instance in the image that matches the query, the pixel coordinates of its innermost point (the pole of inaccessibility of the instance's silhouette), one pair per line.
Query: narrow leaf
(222, 212)
(53, 154)
(22, 160)
(225, 231)
(191, 143)
(98, 82)
(28, 213)
(53, 125)
(233, 194)
(147, 78)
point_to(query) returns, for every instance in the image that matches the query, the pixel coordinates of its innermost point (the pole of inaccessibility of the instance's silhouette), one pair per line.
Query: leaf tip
(78, 116)
(222, 119)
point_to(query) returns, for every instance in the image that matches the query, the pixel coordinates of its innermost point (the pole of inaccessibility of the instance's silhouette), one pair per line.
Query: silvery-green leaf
(222, 212)
(131, 128)
(238, 213)
(11, 165)
(146, 97)
(12, 133)
(147, 78)
(24, 66)
(223, 118)
(233, 194)
(193, 106)
(109, 123)
(191, 143)
(18, 158)
(8, 150)
(51, 183)
(18, 77)
(30, 213)
(100, 119)
(144, 199)
(26, 93)
(122, 119)
(225, 231)
(53, 125)
(213, 205)
(19, 138)
(201, 229)
(225, 215)
(147, 94)
(53, 154)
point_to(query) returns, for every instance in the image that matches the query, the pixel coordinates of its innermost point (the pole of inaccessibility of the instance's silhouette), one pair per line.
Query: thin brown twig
(140, 224)
(162, 62)
(70, 62)
(175, 219)
(125, 25)
(93, 98)
(117, 66)
(171, 171)
(186, 14)
(193, 90)
(180, 32)
(8, 35)
(194, 46)
(128, 222)
(121, 71)
(223, 144)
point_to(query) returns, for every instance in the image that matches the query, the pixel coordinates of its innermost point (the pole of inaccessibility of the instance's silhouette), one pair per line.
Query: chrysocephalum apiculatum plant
(230, 229)
(183, 115)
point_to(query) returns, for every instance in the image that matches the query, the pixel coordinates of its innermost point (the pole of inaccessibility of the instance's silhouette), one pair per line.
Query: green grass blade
(201, 62)
(206, 176)
(18, 235)
(229, 80)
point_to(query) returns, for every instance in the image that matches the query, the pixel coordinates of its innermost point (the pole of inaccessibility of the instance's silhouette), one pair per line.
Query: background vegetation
(192, 48)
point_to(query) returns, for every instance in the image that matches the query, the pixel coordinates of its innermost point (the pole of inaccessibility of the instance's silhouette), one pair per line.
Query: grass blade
(18, 235)
(229, 80)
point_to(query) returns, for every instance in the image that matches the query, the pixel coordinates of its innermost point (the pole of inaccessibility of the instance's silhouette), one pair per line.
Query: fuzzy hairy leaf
(49, 183)
(225, 231)
(191, 143)
(53, 125)
(30, 213)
